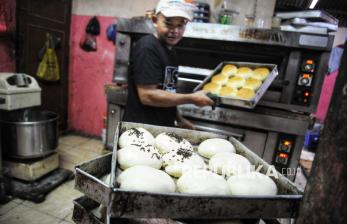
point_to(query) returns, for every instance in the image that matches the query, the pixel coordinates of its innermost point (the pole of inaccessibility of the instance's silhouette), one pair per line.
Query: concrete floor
(58, 206)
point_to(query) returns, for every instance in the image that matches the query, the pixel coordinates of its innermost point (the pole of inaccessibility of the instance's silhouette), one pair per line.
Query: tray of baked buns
(166, 172)
(239, 84)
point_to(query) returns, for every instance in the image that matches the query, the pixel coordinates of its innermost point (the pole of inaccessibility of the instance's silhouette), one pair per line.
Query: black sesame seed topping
(134, 144)
(185, 153)
(156, 155)
(136, 132)
(175, 137)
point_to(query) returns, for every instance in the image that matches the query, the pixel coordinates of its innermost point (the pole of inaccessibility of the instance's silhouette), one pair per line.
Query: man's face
(170, 29)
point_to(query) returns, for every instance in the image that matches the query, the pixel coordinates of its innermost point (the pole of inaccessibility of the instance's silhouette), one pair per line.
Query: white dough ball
(136, 137)
(202, 182)
(145, 155)
(178, 161)
(166, 142)
(145, 178)
(228, 164)
(210, 147)
(253, 183)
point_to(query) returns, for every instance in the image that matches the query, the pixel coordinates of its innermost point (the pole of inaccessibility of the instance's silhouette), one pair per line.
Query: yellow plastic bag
(48, 69)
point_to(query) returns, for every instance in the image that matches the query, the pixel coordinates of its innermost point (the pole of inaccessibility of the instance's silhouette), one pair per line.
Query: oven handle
(190, 80)
(239, 137)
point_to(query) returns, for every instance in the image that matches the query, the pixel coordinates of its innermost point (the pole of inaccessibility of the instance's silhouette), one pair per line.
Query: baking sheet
(134, 204)
(313, 15)
(258, 94)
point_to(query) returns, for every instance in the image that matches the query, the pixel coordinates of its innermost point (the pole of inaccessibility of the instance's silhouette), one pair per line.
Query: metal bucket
(29, 134)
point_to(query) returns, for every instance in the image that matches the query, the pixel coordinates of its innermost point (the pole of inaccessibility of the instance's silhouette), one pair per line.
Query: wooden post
(325, 198)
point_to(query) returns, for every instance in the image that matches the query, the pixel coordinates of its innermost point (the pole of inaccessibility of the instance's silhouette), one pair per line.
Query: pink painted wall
(7, 46)
(325, 96)
(88, 73)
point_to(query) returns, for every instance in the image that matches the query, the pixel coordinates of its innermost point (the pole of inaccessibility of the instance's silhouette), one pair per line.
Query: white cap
(175, 8)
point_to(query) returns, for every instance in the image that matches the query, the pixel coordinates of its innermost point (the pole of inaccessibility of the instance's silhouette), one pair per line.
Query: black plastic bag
(93, 26)
(88, 42)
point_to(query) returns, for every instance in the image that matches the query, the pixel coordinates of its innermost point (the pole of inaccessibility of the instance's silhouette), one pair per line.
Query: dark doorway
(36, 19)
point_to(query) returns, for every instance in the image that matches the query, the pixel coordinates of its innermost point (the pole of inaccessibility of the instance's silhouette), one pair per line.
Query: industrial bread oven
(275, 128)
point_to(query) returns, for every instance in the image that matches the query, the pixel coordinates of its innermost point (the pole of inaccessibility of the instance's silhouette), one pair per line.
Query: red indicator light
(307, 94)
(283, 155)
(306, 76)
(310, 62)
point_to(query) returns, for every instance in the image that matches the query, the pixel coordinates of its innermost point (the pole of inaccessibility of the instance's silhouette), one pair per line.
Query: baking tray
(305, 22)
(88, 179)
(239, 102)
(135, 204)
(82, 211)
(313, 15)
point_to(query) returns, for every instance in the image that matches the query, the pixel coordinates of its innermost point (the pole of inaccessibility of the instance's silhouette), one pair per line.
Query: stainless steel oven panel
(291, 78)
(290, 75)
(123, 45)
(271, 120)
(272, 141)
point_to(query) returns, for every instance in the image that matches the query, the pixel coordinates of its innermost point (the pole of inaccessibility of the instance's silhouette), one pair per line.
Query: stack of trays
(122, 203)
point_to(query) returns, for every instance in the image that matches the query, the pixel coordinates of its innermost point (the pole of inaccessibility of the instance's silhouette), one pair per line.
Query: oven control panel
(283, 151)
(303, 91)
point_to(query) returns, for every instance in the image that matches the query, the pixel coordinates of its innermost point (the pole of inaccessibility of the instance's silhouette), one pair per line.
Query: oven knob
(304, 81)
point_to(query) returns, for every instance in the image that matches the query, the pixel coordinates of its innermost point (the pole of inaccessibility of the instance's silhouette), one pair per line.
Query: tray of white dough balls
(239, 84)
(165, 172)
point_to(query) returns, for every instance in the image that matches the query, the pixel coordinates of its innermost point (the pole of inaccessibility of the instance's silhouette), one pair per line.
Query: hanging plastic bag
(88, 42)
(93, 26)
(48, 69)
(111, 32)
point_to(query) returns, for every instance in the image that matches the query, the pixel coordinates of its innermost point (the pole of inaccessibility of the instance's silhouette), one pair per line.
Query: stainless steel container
(29, 134)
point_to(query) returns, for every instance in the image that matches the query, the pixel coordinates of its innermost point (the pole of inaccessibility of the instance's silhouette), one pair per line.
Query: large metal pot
(29, 134)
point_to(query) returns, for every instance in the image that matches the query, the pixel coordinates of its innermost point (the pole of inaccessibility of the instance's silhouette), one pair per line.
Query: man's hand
(150, 95)
(201, 99)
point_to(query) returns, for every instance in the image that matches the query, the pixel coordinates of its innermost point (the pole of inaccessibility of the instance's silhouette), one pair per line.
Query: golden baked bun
(252, 83)
(236, 82)
(229, 70)
(245, 94)
(219, 79)
(261, 73)
(244, 72)
(212, 88)
(228, 91)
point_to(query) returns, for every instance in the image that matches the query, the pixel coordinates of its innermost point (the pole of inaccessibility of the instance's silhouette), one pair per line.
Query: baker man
(152, 97)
